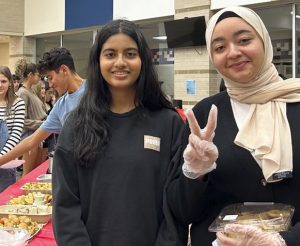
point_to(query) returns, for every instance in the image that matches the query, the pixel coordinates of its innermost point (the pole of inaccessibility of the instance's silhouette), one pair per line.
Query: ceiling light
(160, 38)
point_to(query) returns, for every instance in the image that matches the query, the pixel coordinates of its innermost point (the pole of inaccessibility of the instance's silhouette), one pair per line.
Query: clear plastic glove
(246, 235)
(201, 153)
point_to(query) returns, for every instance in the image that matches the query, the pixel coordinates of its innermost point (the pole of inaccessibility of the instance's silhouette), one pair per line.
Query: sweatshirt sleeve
(68, 226)
(173, 230)
(29, 124)
(292, 237)
(16, 128)
(187, 196)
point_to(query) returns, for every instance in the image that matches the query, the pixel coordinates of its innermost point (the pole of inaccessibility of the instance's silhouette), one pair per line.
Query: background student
(58, 66)
(12, 115)
(34, 114)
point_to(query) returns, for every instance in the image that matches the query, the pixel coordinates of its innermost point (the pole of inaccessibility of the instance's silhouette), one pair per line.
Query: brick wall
(12, 16)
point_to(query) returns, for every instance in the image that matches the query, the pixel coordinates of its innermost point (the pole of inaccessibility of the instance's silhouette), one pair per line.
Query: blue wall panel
(85, 13)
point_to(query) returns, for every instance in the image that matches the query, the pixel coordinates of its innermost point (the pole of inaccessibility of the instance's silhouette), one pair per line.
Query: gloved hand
(246, 235)
(201, 153)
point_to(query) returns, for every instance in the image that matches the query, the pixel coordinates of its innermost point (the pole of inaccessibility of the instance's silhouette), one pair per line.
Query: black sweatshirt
(121, 200)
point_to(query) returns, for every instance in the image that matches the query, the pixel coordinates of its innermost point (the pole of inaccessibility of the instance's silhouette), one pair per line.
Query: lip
(120, 74)
(238, 65)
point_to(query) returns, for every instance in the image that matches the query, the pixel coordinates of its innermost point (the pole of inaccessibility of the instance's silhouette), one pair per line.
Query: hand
(201, 153)
(246, 235)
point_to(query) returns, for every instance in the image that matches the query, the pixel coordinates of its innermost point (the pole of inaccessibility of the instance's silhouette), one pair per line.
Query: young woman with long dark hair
(118, 151)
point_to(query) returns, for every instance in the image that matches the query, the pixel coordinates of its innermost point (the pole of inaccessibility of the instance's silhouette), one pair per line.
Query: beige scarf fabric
(266, 131)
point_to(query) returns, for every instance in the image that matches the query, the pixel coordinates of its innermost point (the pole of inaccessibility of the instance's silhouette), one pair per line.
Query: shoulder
(24, 93)
(18, 102)
(165, 117)
(165, 114)
(217, 99)
(293, 111)
(66, 135)
(21, 91)
(60, 101)
(202, 108)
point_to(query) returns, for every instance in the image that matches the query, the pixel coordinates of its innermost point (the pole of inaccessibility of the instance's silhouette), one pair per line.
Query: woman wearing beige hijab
(257, 133)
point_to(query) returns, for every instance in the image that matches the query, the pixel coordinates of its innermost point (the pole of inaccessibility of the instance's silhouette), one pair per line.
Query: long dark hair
(10, 96)
(96, 100)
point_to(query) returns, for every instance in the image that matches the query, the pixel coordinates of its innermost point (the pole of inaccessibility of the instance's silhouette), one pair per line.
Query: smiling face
(237, 50)
(120, 62)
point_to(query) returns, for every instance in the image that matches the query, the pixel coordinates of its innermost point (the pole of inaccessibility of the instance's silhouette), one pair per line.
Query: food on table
(22, 222)
(29, 199)
(25, 209)
(45, 186)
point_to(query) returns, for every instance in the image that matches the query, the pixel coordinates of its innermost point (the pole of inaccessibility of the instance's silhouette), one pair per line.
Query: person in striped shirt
(12, 114)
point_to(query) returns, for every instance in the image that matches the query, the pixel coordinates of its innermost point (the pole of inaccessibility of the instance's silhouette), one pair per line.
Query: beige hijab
(266, 131)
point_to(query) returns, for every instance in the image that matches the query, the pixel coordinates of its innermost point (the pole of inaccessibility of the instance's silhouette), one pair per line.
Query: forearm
(25, 145)
(17, 151)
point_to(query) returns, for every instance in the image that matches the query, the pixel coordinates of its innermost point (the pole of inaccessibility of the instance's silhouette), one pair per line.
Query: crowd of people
(128, 168)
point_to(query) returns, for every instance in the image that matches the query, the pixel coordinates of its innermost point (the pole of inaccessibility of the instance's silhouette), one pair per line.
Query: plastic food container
(272, 217)
(44, 178)
(13, 237)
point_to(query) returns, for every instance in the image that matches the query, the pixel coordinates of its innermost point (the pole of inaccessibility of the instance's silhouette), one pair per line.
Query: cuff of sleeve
(194, 175)
(188, 173)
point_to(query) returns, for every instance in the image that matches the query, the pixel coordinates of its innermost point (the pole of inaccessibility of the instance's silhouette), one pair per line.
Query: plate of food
(30, 199)
(43, 187)
(40, 214)
(20, 222)
(271, 217)
(12, 164)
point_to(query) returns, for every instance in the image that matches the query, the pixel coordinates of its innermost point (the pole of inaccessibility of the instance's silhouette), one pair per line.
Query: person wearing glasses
(35, 113)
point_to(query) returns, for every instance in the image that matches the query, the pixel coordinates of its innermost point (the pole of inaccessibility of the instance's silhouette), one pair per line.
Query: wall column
(193, 63)
(21, 47)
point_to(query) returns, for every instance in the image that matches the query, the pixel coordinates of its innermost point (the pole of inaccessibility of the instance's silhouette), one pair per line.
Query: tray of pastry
(40, 214)
(272, 217)
(20, 222)
(32, 198)
(44, 187)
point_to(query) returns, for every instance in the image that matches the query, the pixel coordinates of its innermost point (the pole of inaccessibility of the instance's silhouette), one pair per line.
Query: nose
(233, 51)
(120, 62)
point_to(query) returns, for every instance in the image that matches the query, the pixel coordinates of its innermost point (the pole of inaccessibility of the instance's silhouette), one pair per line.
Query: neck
(122, 102)
(2, 100)
(27, 84)
(76, 82)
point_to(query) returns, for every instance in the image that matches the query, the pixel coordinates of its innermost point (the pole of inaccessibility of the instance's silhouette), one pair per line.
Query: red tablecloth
(45, 237)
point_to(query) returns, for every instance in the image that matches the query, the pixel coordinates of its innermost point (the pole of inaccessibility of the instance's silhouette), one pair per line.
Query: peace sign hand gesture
(201, 153)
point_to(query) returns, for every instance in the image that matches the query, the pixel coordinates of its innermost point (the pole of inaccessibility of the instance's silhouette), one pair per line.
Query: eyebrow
(128, 49)
(221, 38)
